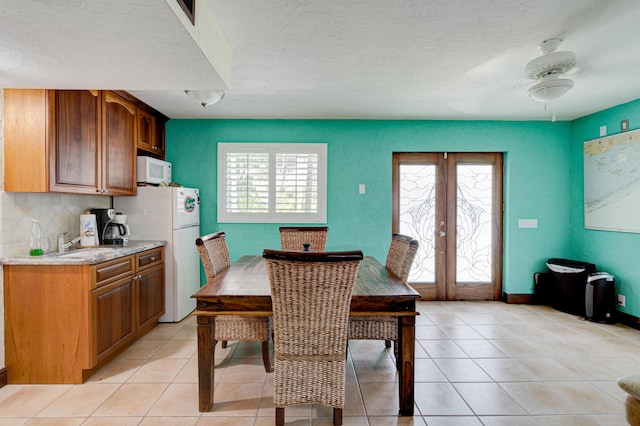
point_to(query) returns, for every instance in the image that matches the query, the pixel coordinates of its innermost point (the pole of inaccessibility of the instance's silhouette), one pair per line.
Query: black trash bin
(568, 284)
(542, 288)
(600, 298)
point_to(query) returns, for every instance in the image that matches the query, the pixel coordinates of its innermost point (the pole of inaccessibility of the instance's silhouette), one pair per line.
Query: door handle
(442, 233)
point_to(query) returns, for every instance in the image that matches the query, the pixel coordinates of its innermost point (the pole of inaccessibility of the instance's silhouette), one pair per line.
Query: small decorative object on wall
(612, 182)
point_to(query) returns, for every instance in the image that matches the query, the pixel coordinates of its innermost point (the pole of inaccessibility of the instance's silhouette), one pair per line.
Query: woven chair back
(214, 253)
(401, 253)
(293, 237)
(311, 298)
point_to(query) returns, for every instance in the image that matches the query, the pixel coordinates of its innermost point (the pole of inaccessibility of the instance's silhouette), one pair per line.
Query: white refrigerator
(171, 214)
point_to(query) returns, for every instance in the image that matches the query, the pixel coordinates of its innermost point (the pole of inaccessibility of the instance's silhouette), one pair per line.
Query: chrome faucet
(62, 246)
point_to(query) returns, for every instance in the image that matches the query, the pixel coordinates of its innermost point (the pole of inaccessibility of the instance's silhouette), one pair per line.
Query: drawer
(114, 269)
(150, 258)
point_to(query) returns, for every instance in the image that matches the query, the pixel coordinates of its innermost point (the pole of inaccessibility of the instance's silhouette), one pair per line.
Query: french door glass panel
(473, 223)
(417, 212)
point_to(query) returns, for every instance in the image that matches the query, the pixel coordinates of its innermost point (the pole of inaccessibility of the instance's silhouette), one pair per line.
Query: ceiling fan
(548, 69)
(546, 78)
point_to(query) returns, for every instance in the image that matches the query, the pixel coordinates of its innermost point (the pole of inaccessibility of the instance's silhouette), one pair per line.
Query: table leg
(206, 352)
(406, 353)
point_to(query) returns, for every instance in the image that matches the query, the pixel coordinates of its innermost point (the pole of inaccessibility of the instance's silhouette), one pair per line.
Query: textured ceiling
(382, 59)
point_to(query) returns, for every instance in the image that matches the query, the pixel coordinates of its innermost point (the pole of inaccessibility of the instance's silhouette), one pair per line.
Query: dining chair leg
(337, 416)
(395, 352)
(224, 344)
(280, 416)
(387, 344)
(266, 358)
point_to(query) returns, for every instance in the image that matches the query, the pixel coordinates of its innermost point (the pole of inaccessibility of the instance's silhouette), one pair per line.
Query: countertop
(84, 256)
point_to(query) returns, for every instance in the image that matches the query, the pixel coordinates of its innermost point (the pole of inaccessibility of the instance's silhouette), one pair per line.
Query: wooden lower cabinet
(63, 321)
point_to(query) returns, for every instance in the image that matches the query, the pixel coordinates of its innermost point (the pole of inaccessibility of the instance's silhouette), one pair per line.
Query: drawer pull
(152, 258)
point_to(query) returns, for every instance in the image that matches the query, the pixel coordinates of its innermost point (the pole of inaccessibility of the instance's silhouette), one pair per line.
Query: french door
(452, 204)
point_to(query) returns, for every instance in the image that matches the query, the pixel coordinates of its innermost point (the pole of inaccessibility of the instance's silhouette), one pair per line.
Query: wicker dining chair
(400, 257)
(293, 237)
(311, 299)
(214, 254)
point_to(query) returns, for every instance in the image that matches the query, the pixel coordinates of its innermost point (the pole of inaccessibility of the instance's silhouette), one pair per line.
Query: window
(272, 182)
(189, 8)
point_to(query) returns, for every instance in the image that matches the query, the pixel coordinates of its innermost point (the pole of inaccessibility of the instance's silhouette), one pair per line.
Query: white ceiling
(375, 59)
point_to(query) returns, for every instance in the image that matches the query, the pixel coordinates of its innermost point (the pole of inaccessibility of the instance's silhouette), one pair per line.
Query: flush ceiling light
(548, 68)
(205, 97)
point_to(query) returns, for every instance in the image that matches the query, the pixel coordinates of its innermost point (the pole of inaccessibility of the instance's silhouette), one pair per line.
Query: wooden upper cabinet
(146, 130)
(150, 134)
(119, 146)
(160, 138)
(75, 140)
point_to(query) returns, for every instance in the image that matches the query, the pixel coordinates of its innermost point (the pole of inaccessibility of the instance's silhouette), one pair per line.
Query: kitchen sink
(87, 253)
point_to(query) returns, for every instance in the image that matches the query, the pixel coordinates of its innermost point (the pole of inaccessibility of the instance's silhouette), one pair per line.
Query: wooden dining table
(243, 289)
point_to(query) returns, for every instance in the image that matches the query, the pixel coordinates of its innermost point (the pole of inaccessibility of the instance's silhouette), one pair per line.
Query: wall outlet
(621, 300)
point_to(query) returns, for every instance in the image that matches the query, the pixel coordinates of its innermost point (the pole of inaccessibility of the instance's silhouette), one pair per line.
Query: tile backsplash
(56, 213)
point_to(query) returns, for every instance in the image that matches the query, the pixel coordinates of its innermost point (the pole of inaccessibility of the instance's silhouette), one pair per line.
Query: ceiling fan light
(206, 97)
(550, 90)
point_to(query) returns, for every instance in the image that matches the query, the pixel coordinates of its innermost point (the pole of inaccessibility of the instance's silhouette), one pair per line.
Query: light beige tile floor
(477, 363)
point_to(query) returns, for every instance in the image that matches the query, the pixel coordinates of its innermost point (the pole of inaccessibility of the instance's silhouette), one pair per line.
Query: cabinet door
(113, 319)
(149, 287)
(146, 130)
(118, 146)
(75, 138)
(26, 160)
(160, 136)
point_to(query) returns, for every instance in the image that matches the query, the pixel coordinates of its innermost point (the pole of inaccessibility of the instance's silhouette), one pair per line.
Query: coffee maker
(118, 231)
(115, 233)
(103, 218)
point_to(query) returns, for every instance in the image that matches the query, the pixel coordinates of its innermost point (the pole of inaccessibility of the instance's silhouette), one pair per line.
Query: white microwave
(153, 171)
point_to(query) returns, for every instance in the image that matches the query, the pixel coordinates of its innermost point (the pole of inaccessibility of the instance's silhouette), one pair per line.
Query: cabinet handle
(152, 258)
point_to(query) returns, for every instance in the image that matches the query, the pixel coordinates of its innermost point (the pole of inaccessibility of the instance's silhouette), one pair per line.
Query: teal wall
(614, 252)
(359, 151)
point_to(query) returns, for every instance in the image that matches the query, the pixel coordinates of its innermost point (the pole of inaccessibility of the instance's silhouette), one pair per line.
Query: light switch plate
(603, 130)
(527, 223)
(362, 189)
(624, 125)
